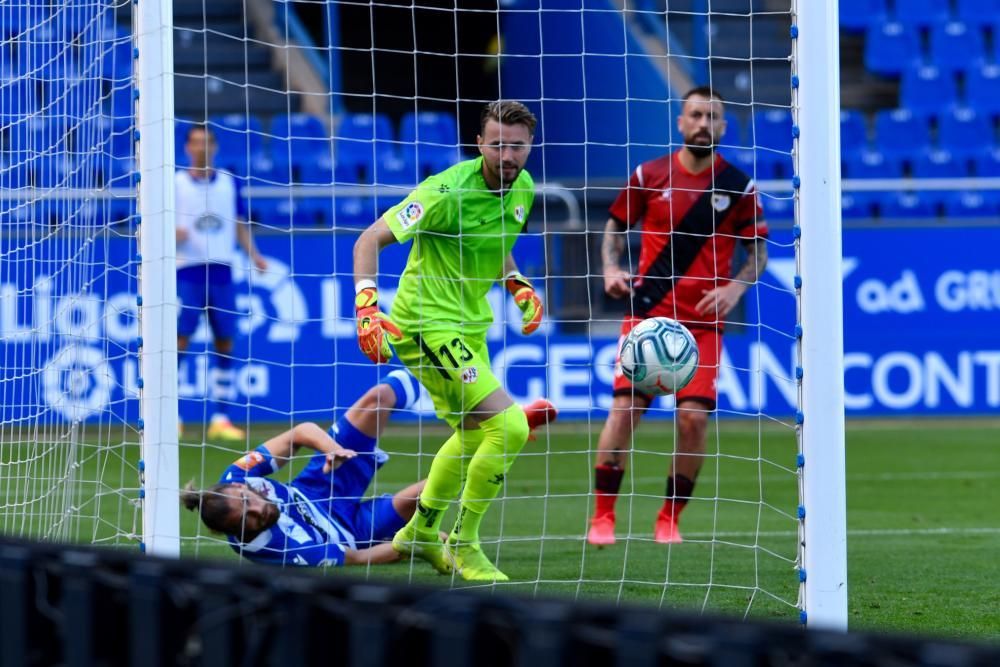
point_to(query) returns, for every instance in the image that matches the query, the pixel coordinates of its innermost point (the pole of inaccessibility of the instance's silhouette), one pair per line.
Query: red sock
(679, 490)
(607, 481)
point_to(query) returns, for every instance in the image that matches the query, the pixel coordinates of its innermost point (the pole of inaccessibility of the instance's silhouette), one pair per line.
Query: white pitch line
(868, 532)
(790, 477)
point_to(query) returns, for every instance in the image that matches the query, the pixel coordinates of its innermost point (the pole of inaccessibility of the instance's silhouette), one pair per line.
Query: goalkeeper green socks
(504, 435)
(444, 480)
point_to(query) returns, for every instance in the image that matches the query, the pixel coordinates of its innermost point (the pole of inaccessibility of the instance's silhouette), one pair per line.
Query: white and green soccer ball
(659, 356)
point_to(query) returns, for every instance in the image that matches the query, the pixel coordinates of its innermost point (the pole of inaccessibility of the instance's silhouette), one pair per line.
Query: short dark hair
(211, 503)
(196, 127)
(507, 112)
(703, 91)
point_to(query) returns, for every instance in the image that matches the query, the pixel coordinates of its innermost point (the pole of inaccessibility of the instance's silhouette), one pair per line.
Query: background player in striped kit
(319, 518)
(210, 216)
(693, 206)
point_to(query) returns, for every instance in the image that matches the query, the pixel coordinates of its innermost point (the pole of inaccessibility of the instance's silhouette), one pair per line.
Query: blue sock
(224, 366)
(405, 388)
(348, 436)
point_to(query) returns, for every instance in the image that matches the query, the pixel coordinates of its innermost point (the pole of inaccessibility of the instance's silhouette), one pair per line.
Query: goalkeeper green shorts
(455, 369)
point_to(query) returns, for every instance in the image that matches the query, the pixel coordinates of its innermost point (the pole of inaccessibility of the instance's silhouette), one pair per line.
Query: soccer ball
(659, 356)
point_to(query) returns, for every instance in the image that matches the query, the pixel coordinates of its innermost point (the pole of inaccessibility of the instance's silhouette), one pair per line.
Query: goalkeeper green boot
(472, 563)
(409, 543)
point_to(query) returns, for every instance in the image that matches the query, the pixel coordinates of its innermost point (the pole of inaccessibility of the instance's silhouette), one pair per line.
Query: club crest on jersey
(470, 375)
(411, 214)
(209, 222)
(720, 202)
(519, 213)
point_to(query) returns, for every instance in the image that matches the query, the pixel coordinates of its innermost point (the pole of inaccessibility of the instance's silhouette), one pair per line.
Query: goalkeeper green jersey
(462, 232)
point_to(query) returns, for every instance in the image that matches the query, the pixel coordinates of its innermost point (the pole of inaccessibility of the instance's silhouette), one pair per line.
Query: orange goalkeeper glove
(374, 327)
(527, 300)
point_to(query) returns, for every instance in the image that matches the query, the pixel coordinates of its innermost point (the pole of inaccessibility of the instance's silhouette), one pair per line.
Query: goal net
(68, 327)
(325, 115)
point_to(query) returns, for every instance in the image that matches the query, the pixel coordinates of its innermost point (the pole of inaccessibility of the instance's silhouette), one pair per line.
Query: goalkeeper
(463, 223)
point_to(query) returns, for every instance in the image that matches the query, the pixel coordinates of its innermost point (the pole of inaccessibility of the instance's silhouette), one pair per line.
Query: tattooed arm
(616, 280)
(724, 298)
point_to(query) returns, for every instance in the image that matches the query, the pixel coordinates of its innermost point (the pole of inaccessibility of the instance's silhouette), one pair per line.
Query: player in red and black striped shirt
(694, 207)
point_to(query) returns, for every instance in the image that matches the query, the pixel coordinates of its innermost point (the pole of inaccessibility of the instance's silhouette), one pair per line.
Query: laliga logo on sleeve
(519, 214)
(470, 375)
(410, 215)
(720, 202)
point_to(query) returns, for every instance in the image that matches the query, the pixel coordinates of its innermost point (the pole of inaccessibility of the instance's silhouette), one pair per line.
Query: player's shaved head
(707, 92)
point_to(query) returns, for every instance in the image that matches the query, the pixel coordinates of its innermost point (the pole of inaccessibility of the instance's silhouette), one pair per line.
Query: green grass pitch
(923, 523)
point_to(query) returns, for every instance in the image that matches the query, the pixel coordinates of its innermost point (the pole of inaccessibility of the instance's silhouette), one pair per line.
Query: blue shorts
(340, 493)
(207, 287)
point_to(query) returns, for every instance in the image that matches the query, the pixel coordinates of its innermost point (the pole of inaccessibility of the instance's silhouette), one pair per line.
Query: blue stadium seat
(858, 15)
(299, 138)
(356, 212)
(73, 18)
(742, 158)
(33, 137)
(982, 89)
(901, 132)
(857, 205)
(939, 163)
(106, 50)
(870, 163)
(438, 143)
(120, 103)
(922, 12)
(61, 171)
(74, 99)
(18, 17)
(772, 129)
(237, 133)
(957, 46)
(964, 130)
(361, 141)
(434, 127)
(977, 12)
(45, 55)
(928, 90)
(392, 170)
(891, 48)
(734, 131)
(905, 205)
(972, 204)
(18, 98)
(15, 171)
(853, 131)
(774, 165)
(280, 212)
(986, 163)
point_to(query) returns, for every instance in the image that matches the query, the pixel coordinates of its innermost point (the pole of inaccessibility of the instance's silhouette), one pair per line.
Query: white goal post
(816, 104)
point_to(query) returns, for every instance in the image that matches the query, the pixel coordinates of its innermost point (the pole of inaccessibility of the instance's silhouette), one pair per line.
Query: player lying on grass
(320, 517)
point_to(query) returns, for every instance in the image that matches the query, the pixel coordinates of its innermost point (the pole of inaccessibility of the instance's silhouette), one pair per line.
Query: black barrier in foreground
(80, 606)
